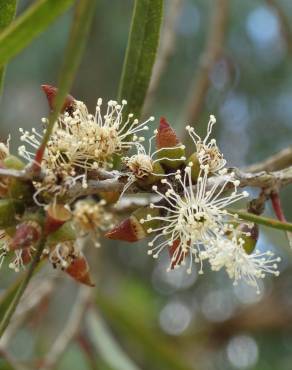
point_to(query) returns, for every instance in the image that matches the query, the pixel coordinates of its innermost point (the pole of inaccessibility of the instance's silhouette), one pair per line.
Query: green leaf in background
(7, 13)
(160, 353)
(140, 53)
(29, 25)
(83, 16)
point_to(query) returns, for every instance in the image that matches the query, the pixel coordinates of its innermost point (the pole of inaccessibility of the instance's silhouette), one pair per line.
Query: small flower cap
(166, 137)
(136, 227)
(51, 93)
(170, 150)
(79, 271)
(129, 230)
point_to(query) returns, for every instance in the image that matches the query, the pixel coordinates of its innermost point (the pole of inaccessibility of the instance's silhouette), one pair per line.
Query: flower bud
(194, 162)
(27, 233)
(110, 197)
(18, 189)
(51, 93)
(136, 227)
(171, 151)
(153, 178)
(250, 236)
(79, 270)
(57, 215)
(64, 233)
(10, 210)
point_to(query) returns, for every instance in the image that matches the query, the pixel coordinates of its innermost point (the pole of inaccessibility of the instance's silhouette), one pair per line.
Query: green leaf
(106, 345)
(7, 13)
(160, 353)
(77, 40)
(29, 25)
(7, 297)
(140, 53)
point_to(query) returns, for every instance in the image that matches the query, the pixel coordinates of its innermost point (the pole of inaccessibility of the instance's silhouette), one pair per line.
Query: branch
(208, 59)
(276, 162)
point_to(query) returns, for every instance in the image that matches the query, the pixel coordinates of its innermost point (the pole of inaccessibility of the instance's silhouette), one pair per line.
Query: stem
(276, 203)
(270, 222)
(12, 307)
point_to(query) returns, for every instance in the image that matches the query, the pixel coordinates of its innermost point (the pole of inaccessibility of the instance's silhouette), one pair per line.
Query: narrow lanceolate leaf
(29, 25)
(140, 54)
(153, 345)
(77, 40)
(7, 13)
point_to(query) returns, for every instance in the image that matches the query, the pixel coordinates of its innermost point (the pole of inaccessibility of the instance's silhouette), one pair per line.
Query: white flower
(207, 150)
(144, 163)
(21, 256)
(82, 141)
(90, 218)
(193, 216)
(229, 253)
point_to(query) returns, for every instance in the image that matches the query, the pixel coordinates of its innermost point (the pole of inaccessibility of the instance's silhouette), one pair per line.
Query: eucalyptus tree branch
(275, 162)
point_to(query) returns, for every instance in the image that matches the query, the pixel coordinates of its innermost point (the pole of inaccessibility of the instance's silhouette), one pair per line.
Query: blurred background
(144, 317)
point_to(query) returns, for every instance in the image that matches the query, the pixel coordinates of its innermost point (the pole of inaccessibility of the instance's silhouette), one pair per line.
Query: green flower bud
(10, 210)
(18, 189)
(195, 166)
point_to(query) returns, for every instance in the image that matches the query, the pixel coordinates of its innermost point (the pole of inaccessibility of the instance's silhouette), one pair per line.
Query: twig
(14, 173)
(70, 331)
(276, 162)
(270, 222)
(209, 57)
(165, 51)
(276, 203)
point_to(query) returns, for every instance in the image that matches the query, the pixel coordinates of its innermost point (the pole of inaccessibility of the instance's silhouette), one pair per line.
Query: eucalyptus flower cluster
(189, 219)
